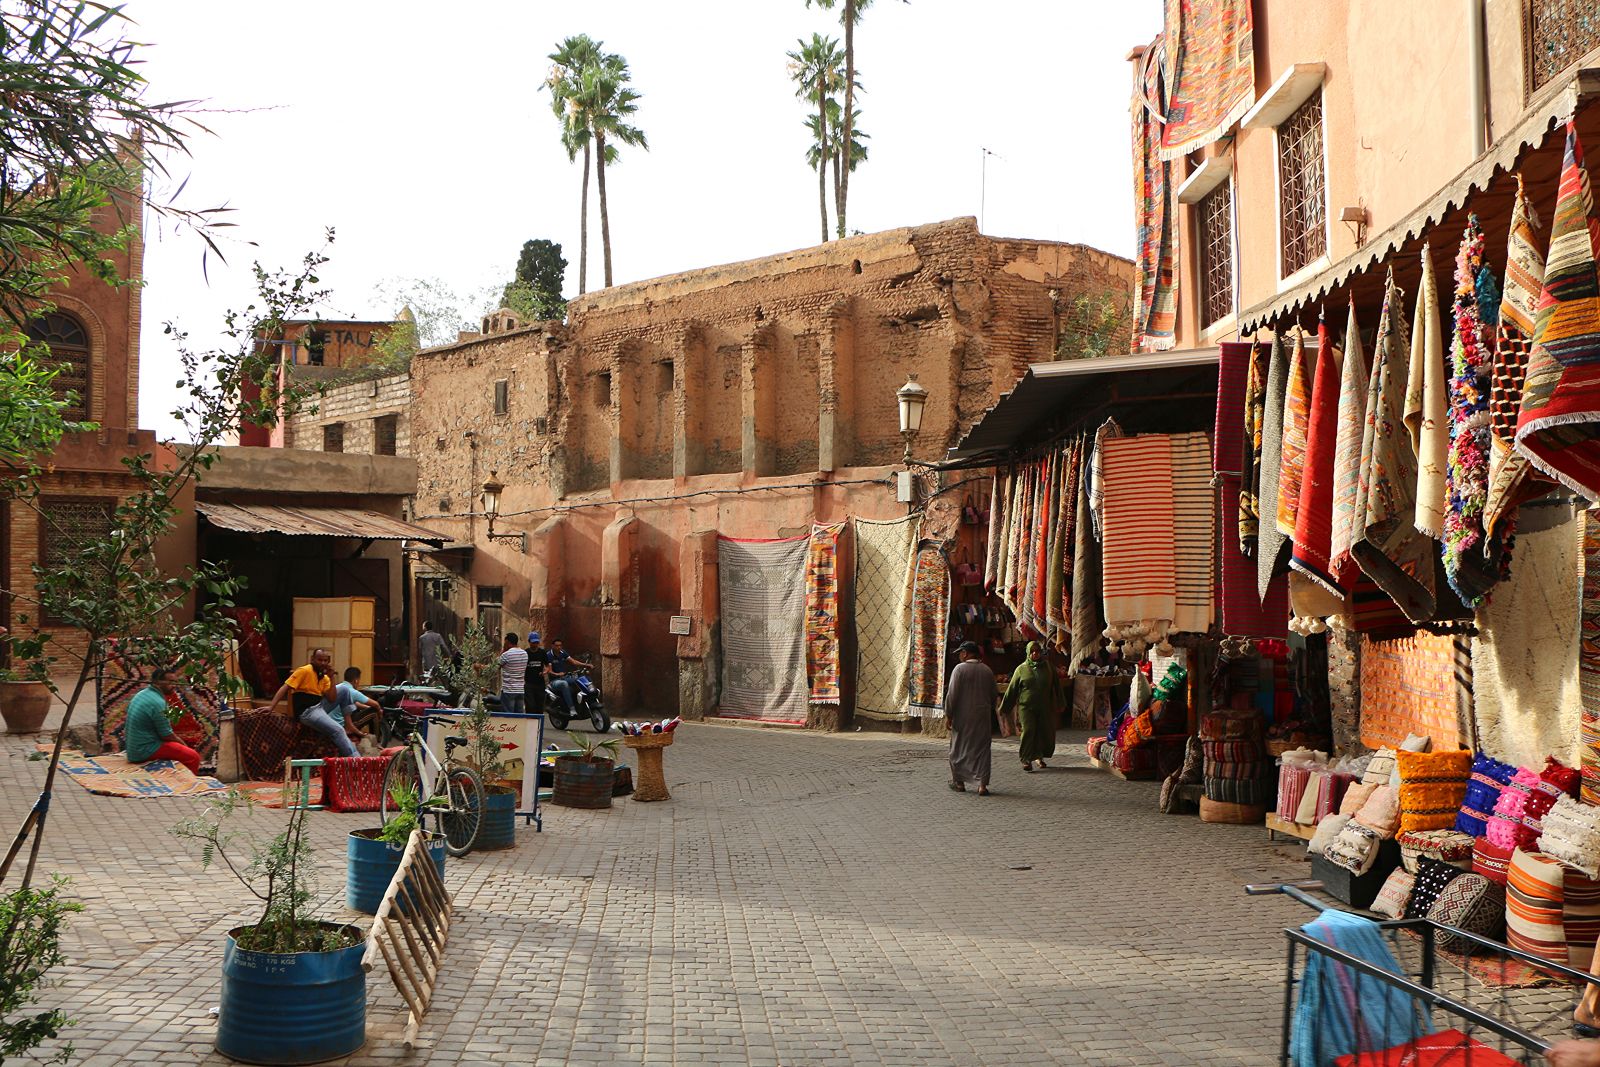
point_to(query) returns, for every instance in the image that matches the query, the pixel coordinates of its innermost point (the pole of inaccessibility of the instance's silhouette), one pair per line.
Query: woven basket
(1224, 812)
(647, 740)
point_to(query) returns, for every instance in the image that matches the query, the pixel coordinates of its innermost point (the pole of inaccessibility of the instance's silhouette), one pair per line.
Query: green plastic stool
(305, 767)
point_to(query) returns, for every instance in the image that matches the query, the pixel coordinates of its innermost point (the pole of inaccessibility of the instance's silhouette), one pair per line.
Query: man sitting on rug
(148, 731)
(344, 701)
(306, 690)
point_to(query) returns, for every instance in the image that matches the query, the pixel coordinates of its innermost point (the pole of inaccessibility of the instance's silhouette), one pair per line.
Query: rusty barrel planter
(581, 783)
(652, 783)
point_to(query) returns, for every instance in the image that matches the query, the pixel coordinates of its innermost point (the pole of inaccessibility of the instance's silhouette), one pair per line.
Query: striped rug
(763, 599)
(1512, 479)
(1589, 660)
(930, 629)
(1139, 566)
(1272, 546)
(1194, 532)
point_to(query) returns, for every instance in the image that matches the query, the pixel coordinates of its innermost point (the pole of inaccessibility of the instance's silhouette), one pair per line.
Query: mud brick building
(749, 400)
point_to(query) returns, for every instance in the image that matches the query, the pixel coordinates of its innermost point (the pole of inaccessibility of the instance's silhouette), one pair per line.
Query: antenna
(983, 182)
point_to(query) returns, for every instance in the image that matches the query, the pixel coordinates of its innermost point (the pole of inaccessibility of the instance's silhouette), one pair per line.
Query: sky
(423, 135)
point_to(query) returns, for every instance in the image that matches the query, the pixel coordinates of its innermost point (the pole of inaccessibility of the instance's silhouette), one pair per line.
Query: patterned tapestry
(1213, 79)
(1408, 686)
(1510, 477)
(1140, 581)
(1155, 215)
(883, 616)
(267, 738)
(120, 680)
(1589, 660)
(930, 628)
(255, 657)
(763, 603)
(822, 613)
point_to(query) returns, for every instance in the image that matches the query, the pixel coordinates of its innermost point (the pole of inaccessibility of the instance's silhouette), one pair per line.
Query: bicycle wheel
(463, 814)
(402, 773)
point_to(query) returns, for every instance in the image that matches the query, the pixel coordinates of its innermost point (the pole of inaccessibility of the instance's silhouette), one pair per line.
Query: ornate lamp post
(913, 398)
(490, 499)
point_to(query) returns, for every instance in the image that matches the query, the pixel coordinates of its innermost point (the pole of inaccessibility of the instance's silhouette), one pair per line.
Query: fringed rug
(883, 616)
(120, 680)
(1313, 520)
(822, 613)
(1194, 532)
(111, 775)
(1139, 568)
(1087, 621)
(255, 657)
(1255, 413)
(1427, 404)
(1408, 686)
(1512, 479)
(1558, 427)
(1155, 205)
(1498, 972)
(267, 738)
(1213, 72)
(763, 603)
(1589, 659)
(267, 794)
(930, 627)
(1527, 695)
(1352, 417)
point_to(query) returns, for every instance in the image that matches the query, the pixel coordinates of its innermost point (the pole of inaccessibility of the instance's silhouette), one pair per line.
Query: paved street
(804, 899)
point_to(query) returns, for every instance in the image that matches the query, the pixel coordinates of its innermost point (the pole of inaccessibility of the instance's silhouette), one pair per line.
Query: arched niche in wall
(645, 410)
(589, 402)
(787, 400)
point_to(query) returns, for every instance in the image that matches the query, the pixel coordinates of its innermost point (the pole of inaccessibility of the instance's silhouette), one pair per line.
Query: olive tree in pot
(293, 988)
(477, 676)
(586, 780)
(373, 856)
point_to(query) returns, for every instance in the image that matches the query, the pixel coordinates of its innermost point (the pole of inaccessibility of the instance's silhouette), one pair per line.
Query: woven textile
(1255, 413)
(1155, 203)
(1387, 546)
(883, 616)
(1488, 780)
(1526, 680)
(1057, 601)
(1511, 478)
(1474, 904)
(1327, 830)
(255, 657)
(1350, 416)
(1305, 812)
(1427, 402)
(822, 613)
(1472, 562)
(763, 597)
(1355, 849)
(1535, 890)
(1313, 517)
(1589, 660)
(1272, 546)
(1194, 532)
(111, 775)
(1229, 449)
(1087, 621)
(1432, 786)
(1558, 425)
(1432, 876)
(1408, 686)
(1139, 567)
(1356, 797)
(930, 627)
(997, 512)
(267, 738)
(199, 725)
(1507, 827)
(1446, 846)
(1580, 916)
(1244, 614)
(1293, 780)
(1296, 427)
(1381, 810)
(1396, 891)
(1212, 69)
(1571, 834)
(1491, 860)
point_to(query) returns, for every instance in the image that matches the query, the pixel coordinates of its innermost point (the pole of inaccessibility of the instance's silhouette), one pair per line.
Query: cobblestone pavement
(803, 899)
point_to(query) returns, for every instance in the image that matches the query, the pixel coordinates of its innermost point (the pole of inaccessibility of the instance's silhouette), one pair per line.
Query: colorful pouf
(1488, 780)
(1396, 893)
(1490, 860)
(1471, 903)
(1432, 877)
(1535, 889)
(1432, 787)
(1571, 834)
(1446, 846)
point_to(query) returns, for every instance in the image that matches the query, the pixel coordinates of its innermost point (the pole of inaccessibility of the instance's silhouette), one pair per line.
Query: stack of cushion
(1489, 778)
(1551, 911)
(1235, 765)
(1355, 848)
(1571, 835)
(1518, 817)
(1447, 846)
(1432, 787)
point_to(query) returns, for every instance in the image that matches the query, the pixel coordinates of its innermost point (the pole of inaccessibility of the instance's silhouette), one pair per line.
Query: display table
(652, 783)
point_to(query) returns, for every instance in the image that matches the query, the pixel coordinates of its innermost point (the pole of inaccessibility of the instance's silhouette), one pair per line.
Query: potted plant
(477, 676)
(585, 780)
(293, 988)
(25, 692)
(373, 856)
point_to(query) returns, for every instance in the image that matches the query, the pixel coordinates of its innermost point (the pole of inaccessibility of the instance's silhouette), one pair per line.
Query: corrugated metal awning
(316, 522)
(1052, 398)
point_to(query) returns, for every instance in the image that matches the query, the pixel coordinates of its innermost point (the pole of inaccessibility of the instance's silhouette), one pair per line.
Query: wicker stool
(652, 784)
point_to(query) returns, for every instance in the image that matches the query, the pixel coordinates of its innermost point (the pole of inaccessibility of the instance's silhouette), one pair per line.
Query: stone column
(700, 651)
(619, 602)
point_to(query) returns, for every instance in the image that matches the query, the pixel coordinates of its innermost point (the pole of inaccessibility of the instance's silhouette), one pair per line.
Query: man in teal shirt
(148, 732)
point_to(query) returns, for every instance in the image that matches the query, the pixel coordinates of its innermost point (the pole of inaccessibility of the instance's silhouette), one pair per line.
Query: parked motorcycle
(586, 698)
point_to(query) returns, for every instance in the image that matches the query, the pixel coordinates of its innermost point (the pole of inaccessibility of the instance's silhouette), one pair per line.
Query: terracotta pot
(24, 705)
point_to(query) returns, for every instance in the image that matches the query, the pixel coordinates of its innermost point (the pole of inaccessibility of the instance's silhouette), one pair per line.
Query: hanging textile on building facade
(1352, 413)
(1314, 595)
(822, 613)
(1097, 482)
(1194, 532)
(1272, 545)
(997, 518)
(1527, 691)
(1427, 392)
(763, 604)
(1088, 623)
(1255, 412)
(1512, 479)
(1296, 426)
(1408, 687)
(1558, 427)
(1235, 449)
(1212, 64)
(1589, 659)
(1473, 563)
(1155, 276)
(1139, 570)
(883, 616)
(930, 629)
(1059, 591)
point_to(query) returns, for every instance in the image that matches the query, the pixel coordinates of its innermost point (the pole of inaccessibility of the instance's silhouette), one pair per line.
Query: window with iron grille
(66, 526)
(1302, 208)
(1214, 218)
(333, 437)
(1560, 32)
(385, 434)
(69, 354)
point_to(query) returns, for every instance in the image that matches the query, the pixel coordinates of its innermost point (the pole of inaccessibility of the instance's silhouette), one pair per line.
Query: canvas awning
(316, 522)
(1168, 391)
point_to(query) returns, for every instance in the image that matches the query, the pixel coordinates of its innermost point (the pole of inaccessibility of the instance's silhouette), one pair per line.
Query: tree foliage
(534, 292)
(1095, 326)
(37, 917)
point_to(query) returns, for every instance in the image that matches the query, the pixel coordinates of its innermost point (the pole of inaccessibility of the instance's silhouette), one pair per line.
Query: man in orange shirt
(308, 686)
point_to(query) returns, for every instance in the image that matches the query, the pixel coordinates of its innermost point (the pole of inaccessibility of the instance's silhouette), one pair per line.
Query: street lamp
(913, 398)
(490, 498)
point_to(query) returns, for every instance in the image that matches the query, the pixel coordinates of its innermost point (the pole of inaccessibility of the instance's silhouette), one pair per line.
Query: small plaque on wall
(679, 625)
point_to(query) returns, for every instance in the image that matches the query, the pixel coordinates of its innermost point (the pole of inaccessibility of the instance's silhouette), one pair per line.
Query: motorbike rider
(561, 665)
(538, 659)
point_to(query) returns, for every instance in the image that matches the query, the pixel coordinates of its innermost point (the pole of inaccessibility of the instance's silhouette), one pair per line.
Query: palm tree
(825, 143)
(816, 69)
(849, 16)
(608, 102)
(571, 58)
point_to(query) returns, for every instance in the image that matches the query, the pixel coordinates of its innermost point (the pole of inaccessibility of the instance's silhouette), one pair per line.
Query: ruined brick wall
(356, 406)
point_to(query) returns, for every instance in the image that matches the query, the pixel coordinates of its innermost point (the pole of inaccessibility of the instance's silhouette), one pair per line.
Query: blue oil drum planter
(371, 864)
(498, 826)
(292, 1008)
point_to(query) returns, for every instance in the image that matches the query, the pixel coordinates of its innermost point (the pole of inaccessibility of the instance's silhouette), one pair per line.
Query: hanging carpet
(1272, 548)
(930, 629)
(1194, 531)
(1408, 687)
(1426, 411)
(1589, 659)
(1088, 624)
(822, 613)
(997, 506)
(1351, 416)
(763, 603)
(1139, 567)
(1213, 72)
(199, 725)
(1255, 412)
(1155, 206)
(1236, 447)
(883, 616)
(1313, 593)
(1296, 429)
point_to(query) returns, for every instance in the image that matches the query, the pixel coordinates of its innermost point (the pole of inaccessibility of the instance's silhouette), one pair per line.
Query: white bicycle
(452, 792)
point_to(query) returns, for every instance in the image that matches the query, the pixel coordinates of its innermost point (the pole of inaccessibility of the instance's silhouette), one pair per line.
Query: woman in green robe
(1033, 691)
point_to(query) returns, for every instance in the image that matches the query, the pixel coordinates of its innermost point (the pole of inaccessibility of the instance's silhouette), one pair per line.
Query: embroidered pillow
(1327, 830)
(1471, 903)
(1555, 781)
(1447, 846)
(1489, 777)
(1572, 835)
(1568, 780)
(1490, 860)
(1381, 768)
(1391, 899)
(1415, 743)
(1356, 796)
(1381, 812)
(1355, 849)
(1505, 829)
(1535, 891)
(1432, 877)
(1306, 811)
(1432, 786)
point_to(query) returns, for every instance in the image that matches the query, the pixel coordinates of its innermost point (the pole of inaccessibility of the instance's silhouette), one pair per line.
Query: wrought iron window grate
(69, 354)
(1215, 219)
(1561, 32)
(1302, 186)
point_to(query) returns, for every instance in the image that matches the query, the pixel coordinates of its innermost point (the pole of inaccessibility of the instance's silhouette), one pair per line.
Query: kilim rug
(270, 794)
(120, 679)
(1194, 532)
(822, 613)
(1408, 687)
(1512, 479)
(1296, 430)
(1088, 624)
(255, 657)
(1352, 416)
(1313, 518)
(1008, 518)
(111, 775)
(1213, 67)
(1527, 694)
(1497, 971)
(1589, 659)
(930, 629)
(1059, 592)
(1155, 208)
(883, 616)
(991, 548)
(1255, 412)
(1387, 546)
(266, 738)
(763, 603)
(1427, 393)
(1228, 451)
(1140, 581)
(1558, 427)
(1097, 481)
(1243, 612)
(1272, 547)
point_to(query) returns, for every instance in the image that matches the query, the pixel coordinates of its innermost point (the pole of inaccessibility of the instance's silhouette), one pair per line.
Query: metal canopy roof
(1166, 390)
(316, 522)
